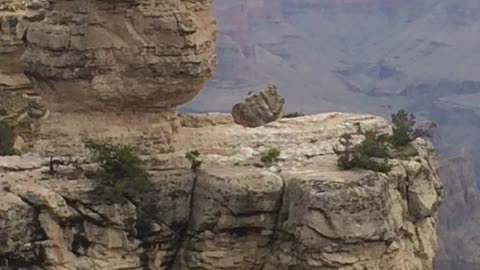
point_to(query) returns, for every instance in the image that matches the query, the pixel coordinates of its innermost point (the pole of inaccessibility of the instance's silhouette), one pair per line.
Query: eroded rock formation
(120, 55)
(107, 67)
(303, 213)
(116, 70)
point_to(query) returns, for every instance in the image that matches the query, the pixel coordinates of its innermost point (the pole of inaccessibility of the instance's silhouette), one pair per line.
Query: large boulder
(105, 70)
(260, 108)
(99, 55)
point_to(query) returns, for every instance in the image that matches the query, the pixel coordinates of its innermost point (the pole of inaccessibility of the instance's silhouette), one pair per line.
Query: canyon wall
(460, 240)
(372, 56)
(115, 71)
(301, 213)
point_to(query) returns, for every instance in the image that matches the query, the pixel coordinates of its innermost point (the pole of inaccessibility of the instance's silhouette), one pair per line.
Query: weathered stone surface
(21, 163)
(203, 120)
(21, 114)
(12, 77)
(131, 54)
(423, 191)
(97, 62)
(259, 108)
(303, 213)
(233, 219)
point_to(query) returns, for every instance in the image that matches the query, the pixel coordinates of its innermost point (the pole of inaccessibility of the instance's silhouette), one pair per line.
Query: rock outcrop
(120, 55)
(107, 67)
(303, 213)
(20, 115)
(12, 77)
(259, 108)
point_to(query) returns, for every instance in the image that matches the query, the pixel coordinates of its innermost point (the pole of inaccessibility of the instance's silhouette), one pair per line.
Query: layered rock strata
(134, 55)
(107, 67)
(12, 77)
(302, 213)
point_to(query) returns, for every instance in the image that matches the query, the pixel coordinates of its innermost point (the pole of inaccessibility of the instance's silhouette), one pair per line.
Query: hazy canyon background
(372, 56)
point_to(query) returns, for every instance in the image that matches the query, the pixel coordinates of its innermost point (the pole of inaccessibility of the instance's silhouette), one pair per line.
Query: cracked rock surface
(302, 213)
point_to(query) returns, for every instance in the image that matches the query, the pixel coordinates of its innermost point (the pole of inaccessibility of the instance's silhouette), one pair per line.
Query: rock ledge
(304, 214)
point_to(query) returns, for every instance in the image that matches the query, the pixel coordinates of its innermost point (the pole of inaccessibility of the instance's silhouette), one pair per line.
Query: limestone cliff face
(301, 214)
(12, 76)
(117, 55)
(107, 67)
(108, 55)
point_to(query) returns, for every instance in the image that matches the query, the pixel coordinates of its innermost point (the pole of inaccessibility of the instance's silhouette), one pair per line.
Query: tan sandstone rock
(137, 55)
(259, 108)
(232, 215)
(106, 69)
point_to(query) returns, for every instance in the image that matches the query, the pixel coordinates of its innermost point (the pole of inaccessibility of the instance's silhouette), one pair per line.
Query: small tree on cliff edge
(374, 147)
(370, 154)
(121, 175)
(403, 124)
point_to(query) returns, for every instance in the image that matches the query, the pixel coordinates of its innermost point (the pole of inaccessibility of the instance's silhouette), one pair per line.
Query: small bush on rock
(366, 155)
(271, 157)
(7, 140)
(120, 175)
(403, 131)
(195, 161)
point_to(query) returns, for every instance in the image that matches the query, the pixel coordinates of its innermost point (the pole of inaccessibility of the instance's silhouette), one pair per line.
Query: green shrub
(375, 147)
(403, 124)
(121, 175)
(345, 156)
(7, 140)
(404, 152)
(195, 162)
(366, 155)
(271, 157)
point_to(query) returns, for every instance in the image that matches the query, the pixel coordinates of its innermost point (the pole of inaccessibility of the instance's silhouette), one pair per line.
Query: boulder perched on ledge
(259, 108)
(232, 214)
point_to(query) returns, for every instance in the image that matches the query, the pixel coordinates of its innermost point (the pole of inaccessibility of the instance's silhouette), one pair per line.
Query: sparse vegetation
(404, 152)
(403, 128)
(6, 140)
(271, 157)
(370, 154)
(120, 175)
(195, 161)
(375, 147)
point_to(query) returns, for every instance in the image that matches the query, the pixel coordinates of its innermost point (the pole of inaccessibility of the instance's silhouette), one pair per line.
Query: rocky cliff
(107, 66)
(303, 213)
(115, 71)
(370, 56)
(109, 55)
